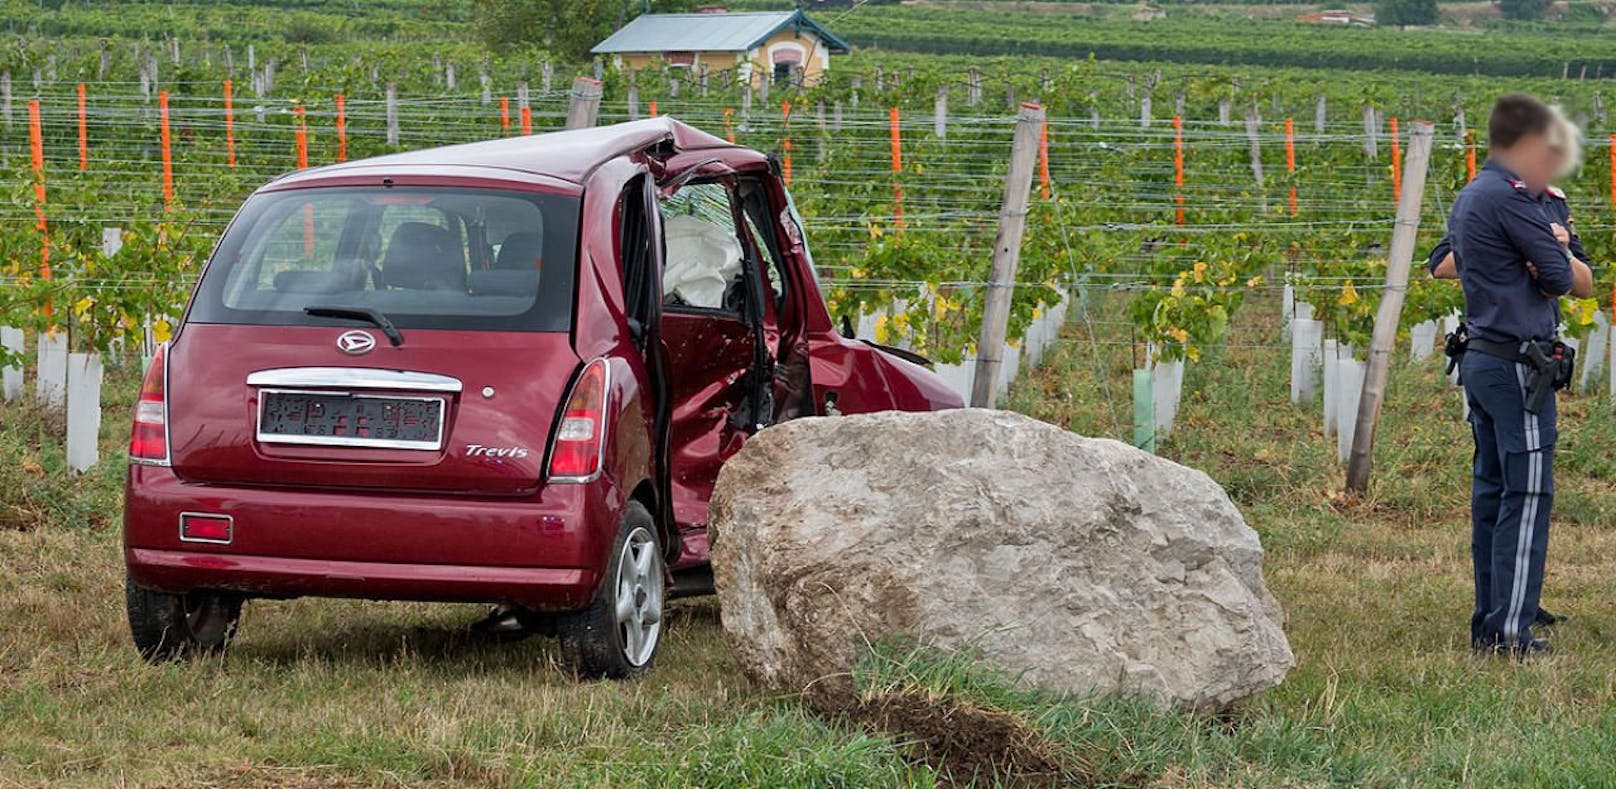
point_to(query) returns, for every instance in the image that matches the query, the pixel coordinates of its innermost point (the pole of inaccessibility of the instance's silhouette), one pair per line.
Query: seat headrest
(520, 252)
(423, 256)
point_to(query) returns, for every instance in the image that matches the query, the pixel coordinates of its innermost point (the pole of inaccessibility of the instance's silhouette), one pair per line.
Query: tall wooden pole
(392, 114)
(584, 104)
(1391, 306)
(1006, 255)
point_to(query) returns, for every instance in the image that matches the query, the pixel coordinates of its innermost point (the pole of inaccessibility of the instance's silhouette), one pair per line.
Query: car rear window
(426, 258)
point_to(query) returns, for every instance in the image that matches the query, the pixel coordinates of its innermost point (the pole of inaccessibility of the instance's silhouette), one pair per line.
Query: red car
(501, 372)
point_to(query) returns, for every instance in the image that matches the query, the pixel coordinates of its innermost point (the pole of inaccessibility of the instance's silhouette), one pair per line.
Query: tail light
(580, 438)
(149, 441)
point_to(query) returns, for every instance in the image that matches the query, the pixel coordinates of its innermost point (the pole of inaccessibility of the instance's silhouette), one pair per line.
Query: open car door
(718, 367)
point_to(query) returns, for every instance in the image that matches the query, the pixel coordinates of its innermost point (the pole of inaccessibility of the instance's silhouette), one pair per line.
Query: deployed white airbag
(703, 258)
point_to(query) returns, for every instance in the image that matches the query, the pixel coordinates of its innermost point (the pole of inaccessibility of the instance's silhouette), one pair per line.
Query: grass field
(320, 692)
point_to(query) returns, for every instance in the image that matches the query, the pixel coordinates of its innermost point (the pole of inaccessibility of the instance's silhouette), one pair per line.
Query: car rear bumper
(544, 552)
(273, 576)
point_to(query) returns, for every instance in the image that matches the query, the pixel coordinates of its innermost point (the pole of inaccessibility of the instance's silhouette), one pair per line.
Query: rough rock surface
(1080, 564)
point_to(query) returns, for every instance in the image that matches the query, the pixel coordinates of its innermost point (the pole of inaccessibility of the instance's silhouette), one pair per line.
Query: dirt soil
(969, 745)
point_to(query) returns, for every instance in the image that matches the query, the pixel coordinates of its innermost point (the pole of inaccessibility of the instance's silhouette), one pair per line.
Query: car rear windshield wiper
(366, 314)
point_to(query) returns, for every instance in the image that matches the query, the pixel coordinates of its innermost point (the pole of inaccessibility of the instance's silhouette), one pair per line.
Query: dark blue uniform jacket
(1496, 226)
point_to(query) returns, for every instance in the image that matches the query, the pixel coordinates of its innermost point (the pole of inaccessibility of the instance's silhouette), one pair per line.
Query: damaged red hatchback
(501, 372)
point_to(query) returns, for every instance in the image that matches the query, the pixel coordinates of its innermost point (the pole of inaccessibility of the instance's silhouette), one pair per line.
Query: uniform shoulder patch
(1555, 191)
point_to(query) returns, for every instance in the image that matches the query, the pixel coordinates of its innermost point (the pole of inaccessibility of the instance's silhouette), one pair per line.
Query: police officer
(1565, 139)
(1512, 259)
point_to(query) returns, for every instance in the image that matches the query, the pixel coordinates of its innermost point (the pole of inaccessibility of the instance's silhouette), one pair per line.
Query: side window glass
(703, 266)
(775, 284)
(635, 250)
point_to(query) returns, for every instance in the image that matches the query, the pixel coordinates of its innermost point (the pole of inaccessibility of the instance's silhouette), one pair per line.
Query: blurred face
(1536, 160)
(1560, 158)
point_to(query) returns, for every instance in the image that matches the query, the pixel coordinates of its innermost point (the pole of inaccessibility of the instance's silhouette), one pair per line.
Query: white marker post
(1332, 352)
(50, 387)
(1168, 389)
(11, 377)
(1349, 381)
(83, 410)
(1421, 340)
(1307, 357)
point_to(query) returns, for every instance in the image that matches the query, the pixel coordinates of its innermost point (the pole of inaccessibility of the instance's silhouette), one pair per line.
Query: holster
(1551, 365)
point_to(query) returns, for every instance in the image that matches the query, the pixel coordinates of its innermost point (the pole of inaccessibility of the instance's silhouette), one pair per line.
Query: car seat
(521, 252)
(422, 256)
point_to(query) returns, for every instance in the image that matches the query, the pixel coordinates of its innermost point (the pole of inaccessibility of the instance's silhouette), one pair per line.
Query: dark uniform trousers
(1511, 495)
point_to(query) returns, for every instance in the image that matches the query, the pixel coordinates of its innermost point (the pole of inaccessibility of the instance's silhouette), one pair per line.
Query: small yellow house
(777, 45)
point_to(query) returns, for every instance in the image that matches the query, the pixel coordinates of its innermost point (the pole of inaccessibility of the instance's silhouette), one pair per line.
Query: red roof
(564, 155)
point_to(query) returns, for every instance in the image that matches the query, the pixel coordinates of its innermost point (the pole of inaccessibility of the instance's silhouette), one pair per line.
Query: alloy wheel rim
(639, 597)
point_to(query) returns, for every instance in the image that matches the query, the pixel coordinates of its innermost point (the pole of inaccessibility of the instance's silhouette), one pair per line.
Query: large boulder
(1078, 564)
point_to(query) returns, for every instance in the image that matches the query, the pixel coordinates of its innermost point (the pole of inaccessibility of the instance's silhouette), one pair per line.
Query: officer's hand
(1561, 235)
(1531, 268)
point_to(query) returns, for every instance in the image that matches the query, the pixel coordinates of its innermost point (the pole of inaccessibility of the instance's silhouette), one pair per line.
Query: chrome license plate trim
(350, 441)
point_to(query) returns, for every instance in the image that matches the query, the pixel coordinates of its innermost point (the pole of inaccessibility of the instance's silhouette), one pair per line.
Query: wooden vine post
(1253, 128)
(392, 114)
(1006, 255)
(1391, 305)
(583, 106)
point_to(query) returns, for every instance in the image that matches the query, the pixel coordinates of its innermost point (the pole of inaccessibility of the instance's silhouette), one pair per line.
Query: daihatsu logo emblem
(355, 343)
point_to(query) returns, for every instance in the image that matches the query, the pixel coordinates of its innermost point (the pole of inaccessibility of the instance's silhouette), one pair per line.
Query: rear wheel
(169, 626)
(618, 634)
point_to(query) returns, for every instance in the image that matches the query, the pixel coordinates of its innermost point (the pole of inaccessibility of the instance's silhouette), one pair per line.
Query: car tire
(617, 635)
(172, 626)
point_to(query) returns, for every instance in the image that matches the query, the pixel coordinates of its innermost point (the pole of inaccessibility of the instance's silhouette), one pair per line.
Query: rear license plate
(350, 420)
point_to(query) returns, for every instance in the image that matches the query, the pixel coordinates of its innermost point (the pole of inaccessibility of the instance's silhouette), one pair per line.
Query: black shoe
(1537, 647)
(1525, 650)
(1546, 619)
(502, 625)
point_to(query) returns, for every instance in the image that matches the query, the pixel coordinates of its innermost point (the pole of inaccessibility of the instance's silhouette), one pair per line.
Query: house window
(786, 58)
(684, 59)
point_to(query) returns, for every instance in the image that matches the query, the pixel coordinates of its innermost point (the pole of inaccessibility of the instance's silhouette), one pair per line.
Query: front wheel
(617, 635)
(169, 626)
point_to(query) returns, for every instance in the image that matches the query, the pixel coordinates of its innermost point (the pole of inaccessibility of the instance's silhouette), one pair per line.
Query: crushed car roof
(562, 155)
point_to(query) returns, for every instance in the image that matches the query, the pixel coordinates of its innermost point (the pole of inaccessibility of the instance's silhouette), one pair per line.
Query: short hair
(1516, 115)
(1566, 139)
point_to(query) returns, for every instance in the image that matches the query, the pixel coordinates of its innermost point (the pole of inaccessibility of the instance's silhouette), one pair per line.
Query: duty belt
(1511, 351)
(1551, 363)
